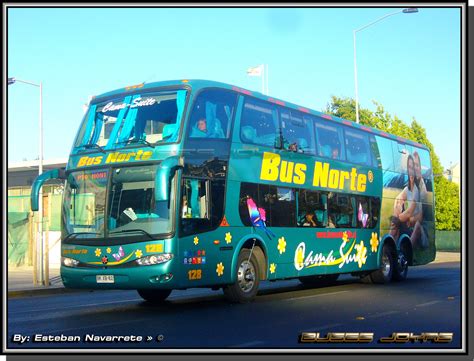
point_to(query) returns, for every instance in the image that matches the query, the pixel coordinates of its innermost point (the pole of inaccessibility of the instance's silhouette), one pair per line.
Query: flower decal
(345, 238)
(138, 253)
(196, 240)
(361, 255)
(374, 242)
(272, 268)
(109, 250)
(282, 245)
(105, 260)
(220, 269)
(228, 237)
(98, 252)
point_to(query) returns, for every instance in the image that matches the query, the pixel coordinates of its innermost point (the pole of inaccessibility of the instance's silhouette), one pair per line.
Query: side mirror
(38, 183)
(164, 173)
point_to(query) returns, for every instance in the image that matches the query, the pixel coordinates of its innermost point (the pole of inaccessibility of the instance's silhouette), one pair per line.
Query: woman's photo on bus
(407, 215)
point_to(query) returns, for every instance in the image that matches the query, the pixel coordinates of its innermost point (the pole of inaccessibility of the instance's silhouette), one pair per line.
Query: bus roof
(196, 84)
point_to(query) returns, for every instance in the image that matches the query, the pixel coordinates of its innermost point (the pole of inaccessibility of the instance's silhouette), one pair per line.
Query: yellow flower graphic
(345, 238)
(361, 255)
(228, 237)
(374, 242)
(98, 252)
(282, 245)
(272, 268)
(109, 250)
(138, 253)
(220, 269)
(196, 240)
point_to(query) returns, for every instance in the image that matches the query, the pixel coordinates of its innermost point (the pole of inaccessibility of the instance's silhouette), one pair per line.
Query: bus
(194, 183)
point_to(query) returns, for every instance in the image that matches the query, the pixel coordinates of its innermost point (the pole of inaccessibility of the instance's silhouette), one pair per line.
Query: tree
(447, 193)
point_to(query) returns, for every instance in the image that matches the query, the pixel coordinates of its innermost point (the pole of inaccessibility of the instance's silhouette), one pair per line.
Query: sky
(409, 63)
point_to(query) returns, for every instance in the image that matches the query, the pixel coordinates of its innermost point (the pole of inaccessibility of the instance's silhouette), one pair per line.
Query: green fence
(19, 225)
(448, 241)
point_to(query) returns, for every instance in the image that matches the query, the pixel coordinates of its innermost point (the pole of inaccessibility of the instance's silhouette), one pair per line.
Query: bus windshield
(131, 205)
(149, 118)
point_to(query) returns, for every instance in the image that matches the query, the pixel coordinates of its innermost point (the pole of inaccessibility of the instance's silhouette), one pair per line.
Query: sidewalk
(20, 280)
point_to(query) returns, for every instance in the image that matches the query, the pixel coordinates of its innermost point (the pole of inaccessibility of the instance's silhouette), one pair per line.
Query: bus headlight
(69, 262)
(154, 259)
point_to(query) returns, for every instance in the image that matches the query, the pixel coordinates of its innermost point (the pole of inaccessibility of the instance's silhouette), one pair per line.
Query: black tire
(319, 280)
(387, 265)
(246, 285)
(400, 271)
(154, 296)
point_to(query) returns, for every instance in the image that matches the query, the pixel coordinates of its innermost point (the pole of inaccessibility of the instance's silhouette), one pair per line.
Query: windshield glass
(146, 118)
(131, 204)
(84, 203)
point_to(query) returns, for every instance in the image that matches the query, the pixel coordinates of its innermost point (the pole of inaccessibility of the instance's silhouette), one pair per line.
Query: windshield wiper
(133, 230)
(75, 234)
(140, 140)
(89, 146)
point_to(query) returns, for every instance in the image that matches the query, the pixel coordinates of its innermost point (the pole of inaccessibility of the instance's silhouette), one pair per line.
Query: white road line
(427, 303)
(247, 344)
(318, 295)
(382, 314)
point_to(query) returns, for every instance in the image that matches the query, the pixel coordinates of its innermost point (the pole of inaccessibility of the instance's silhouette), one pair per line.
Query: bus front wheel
(245, 288)
(154, 296)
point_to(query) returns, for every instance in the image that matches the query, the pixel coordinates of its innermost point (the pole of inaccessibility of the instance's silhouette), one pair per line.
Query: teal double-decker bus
(193, 183)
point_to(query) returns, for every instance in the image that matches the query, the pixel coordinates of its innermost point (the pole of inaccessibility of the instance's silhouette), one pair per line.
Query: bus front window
(132, 205)
(84, 204)
(151, 118)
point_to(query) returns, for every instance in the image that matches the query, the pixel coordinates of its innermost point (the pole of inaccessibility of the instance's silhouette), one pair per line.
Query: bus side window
(212, 114)
(341, 211)
(357, 147)
(296, 132)
(259, 124)
(312, 210)
(329, 140)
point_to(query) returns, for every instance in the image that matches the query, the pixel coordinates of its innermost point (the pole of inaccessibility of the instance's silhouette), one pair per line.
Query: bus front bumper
(139, 277)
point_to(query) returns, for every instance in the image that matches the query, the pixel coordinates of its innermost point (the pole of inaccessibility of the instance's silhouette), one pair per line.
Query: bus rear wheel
(154, 296)
(401, 269)
(387, 265)
(321, 280)
(246, 285)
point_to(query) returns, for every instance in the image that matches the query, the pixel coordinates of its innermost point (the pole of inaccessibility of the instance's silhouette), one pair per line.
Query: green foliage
(446, 192)
(447, 205)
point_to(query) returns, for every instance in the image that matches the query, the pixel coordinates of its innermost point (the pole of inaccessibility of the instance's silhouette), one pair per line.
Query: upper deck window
(296, 132)
(259, 124)
(141, 118)
(357, 147)
(330, 140)
(212, 114)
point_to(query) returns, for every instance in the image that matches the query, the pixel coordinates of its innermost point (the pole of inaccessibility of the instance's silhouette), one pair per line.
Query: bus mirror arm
(165, 174)
(40, 180)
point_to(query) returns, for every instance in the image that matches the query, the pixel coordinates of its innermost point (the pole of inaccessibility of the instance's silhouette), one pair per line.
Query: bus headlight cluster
(154, 259)
(69, 262)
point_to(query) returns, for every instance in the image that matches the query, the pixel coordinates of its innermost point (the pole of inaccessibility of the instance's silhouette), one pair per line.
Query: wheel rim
(386, 266)
(246, 276)
(402, 263)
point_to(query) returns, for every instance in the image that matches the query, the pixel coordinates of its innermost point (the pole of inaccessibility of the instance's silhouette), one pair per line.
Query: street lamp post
(39, 247)
(405, 11)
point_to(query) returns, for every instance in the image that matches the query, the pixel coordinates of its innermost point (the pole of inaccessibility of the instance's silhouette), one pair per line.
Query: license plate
(105, 279)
